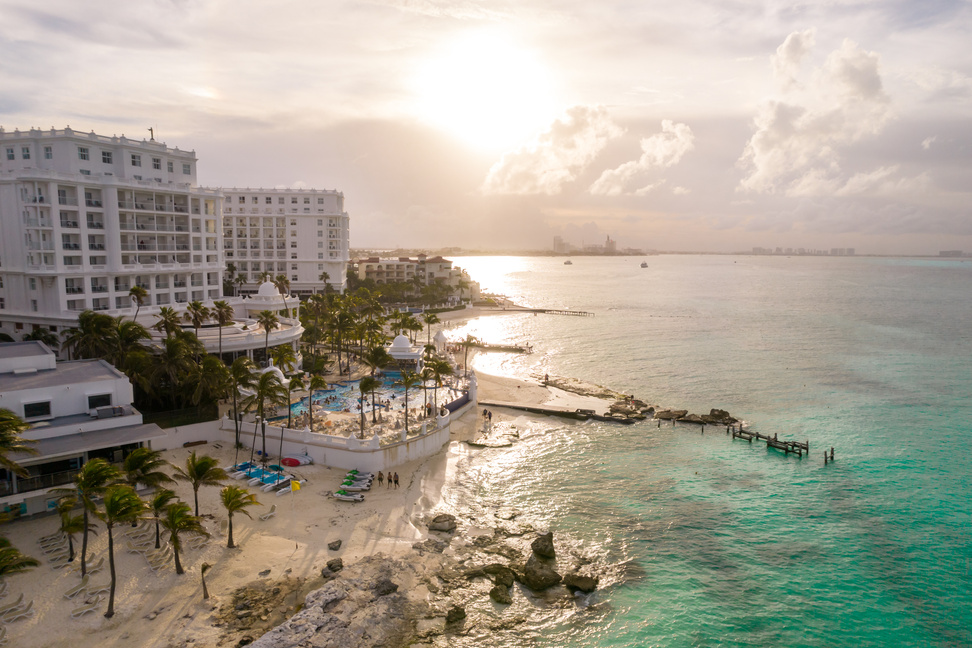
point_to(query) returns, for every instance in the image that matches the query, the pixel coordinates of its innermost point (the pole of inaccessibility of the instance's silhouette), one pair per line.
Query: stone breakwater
(435, 592)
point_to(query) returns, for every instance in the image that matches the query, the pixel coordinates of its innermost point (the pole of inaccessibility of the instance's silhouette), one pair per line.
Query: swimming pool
(344, 396)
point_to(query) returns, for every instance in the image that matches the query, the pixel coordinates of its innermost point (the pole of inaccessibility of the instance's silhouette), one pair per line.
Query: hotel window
(25, 152)
(82, 152)
(241, 200)
(320, 232)
(33, 305)
(320, 201)
(293, 201)
(320, 244)
(48, 153)
(320, 266)
(1, 282)
(32, 282)
(106, 157)
(320, 255)
(280, 200)
(10, 154)
(169, 167)
(157, 163)
(293, 266)
(320, 222)
(136, 160)
(186, 169)
(293, 244)
(306, 201)
(86, 172)
(255, 200)
(293, 277)
(3, 304)
(269, 200)
(36, 410)
(99, 400)
(293, 222)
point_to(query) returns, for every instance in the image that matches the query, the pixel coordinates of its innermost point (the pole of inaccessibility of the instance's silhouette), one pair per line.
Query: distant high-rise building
(560, 246)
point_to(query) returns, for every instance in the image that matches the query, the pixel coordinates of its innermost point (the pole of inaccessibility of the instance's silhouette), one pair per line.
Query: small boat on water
(644, 264)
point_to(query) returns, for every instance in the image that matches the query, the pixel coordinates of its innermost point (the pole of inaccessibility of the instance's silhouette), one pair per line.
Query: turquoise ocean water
(705, 541)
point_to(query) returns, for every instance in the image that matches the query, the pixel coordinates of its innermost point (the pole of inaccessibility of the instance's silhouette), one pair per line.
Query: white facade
(425, 270)
(300, 233)
(85, 217)
(77, 411)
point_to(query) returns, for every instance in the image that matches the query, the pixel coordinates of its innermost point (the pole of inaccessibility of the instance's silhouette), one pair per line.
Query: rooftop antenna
(151, 134)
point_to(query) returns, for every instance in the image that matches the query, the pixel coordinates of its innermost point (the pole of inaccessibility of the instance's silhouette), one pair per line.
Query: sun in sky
(486, 90)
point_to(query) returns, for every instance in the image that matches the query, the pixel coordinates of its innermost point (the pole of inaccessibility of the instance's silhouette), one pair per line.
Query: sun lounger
(197, 541)
(19, 613)
(3, 588)
(99, 589)
(77, 589)
(3, 635)
(55, 547)
(84, 609)
(97, 567)
(56, 540)
(269, 514)
(12, 606)
(223, 525)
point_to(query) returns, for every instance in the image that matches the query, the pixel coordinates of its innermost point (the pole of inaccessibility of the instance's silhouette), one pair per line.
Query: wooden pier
(554, 311)
(799, 448)
(563, 412)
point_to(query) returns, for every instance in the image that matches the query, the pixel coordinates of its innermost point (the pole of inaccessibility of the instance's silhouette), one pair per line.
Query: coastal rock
(334, 546)
(335, 565)
(430, 545)
(443, 522)
(538, 575)
(384, 587)
(501, 594)
(667, 415)
(543, 546)
(691, 418)
(455, 613)
(721, 417)
(575, 582)
(502, 575)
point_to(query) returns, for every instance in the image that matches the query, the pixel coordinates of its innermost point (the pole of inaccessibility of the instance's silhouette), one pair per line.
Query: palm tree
(127, 338)
(239, 281)
(141, 466)
(11, 427)
(91, 338)
(203, 568)
(41, 334)
(207, 381)
(470, 341)
(179, 519)
(440, 369)
(137, 294)
(294, 384)
(197, 313)
(167, 322)
(284, 357)
(365, 385)
(70, 524)
(157, 505)
(269, 321)
(241, 377)
(200, 471)
(324, 278)
(267, 389)
(12, 561)
(283, 287)
(91, 481)
(317, 383)
(122, 504)
(164, 374)
(222, 313)
(235, 500)
(409, 379)
(377, 358)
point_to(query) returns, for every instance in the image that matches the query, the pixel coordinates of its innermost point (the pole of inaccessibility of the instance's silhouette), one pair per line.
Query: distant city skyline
(719, 127)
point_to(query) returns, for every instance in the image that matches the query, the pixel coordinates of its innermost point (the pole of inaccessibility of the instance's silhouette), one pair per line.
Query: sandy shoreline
(164, 609)
(287, 551)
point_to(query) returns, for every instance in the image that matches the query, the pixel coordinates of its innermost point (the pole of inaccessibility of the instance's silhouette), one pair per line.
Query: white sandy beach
(168, 610)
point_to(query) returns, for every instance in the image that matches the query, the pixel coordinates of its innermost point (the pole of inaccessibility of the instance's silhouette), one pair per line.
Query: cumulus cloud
(796, 147)
(663, 149)
(789, 56)
(928, 141)
(557, 156)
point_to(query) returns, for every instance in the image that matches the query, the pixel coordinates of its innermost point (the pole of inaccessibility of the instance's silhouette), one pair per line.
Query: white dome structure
(400, 343)
(402, 349)
(268, 289)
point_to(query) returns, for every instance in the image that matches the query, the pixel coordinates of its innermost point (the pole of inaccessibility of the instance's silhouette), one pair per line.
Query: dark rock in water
(721, 417)
(455, 613)
(538, 575)
(502, 575)
(501, 594)
(384, 587)
(443, 522)
(667, 415)
(335, 565)
(543, 546)
(691, 418)
(430, 544)
(575, 582)
(334, 546)
(265, 572)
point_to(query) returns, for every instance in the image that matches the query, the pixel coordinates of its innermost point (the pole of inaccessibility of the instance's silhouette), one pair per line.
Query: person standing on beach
(381, 477)
(389, 480)
(396, 480)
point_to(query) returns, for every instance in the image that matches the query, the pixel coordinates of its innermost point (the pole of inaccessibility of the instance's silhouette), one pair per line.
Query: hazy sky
(713, 125)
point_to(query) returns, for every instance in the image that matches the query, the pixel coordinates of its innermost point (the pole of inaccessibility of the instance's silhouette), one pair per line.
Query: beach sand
(164, 609)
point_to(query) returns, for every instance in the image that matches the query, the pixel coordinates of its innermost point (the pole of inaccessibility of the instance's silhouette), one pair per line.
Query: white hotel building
(300, 233)
(85, 217)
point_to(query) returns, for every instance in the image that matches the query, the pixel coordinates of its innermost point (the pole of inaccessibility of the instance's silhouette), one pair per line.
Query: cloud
(789, 55)
(796, 147)
(557, 156)
(663, 149)
(928, 141)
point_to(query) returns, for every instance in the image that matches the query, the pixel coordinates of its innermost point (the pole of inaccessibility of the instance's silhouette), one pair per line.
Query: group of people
(487, 418)
(391, 477)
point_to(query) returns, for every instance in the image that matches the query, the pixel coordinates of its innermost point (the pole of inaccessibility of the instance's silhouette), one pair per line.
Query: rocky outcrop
(719, 417)
(576, 582)
(691, 418)
(543, 546)
(335, 565)
(443, 522)
(501, 594)
(455, 613)
(539, 575)
(334, 546)
(667, 415)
